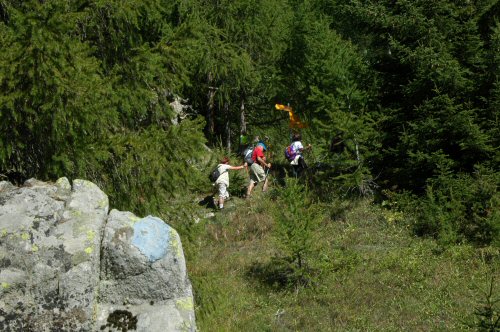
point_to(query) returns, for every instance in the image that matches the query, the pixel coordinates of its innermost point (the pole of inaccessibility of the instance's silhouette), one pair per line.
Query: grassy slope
(374, 275)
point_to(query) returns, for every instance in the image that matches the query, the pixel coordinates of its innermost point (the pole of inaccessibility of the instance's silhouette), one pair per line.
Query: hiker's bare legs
(221, 201)
(250, 188)
(266, 183)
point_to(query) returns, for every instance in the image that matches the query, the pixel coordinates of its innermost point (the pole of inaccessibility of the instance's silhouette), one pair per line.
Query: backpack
(214, 174)
(290, 153)
(248, 155)
(338, 144)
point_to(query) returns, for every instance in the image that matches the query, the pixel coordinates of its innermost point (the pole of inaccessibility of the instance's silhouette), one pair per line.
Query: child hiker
(222, 181)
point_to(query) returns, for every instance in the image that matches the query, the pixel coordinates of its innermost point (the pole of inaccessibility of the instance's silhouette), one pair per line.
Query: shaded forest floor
(370, 273)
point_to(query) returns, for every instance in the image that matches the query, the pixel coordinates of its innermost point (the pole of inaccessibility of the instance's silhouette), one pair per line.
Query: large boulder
(66, 265)
(143, 274)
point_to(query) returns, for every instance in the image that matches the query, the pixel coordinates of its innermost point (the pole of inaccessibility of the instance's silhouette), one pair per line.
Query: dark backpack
(247, 154)
(214, 174)
(290, 153)
(338, 144)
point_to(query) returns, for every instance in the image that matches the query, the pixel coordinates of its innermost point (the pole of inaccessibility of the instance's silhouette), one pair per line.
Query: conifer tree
(435, 61)
(490, 117)
(86, 91)
(296, 220)
(54, 103)
(143, 170)
(240, 42)
(141, 51)
(431, 63)
(145, 50)
(329, 84)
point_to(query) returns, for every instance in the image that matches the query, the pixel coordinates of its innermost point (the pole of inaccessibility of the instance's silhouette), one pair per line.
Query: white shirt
(297, 147)
(224, 174)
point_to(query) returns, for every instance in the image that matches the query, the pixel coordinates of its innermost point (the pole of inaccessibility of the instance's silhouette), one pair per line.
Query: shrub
(487, 313)
(296, 220)
(458, 208)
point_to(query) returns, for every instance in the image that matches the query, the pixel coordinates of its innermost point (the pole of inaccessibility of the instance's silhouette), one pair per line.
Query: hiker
(243, 143)
(222, 181)
(257, 173)
(295, 154)
(248, 153)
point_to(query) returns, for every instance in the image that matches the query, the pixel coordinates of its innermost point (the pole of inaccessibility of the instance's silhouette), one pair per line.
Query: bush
(458, 208)
(487, 313)
(296, 220)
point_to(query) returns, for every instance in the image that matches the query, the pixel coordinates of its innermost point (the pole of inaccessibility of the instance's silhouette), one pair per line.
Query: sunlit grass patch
(369, 274)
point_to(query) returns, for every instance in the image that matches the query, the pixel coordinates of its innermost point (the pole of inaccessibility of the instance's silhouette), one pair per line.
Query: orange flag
(294, 119)
(283, 108)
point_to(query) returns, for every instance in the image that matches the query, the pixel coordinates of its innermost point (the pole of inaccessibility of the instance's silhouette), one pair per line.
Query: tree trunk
(227, 128)
(210, 111)
(243, 123)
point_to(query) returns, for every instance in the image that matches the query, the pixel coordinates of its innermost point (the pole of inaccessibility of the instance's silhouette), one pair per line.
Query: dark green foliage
(445, 136)
(411, 87)
(141, 50)
(86, 93)
(143, 171)
(236, 72)
(436, 70)
(329, 85)
(459, 209)
(490, 116)
(54, 103)
(431, 60)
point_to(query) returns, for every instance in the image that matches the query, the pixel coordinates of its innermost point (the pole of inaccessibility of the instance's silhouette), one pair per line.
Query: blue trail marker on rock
(151, 237)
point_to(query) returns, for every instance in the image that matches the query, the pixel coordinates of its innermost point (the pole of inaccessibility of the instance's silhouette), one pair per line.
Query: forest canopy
(411, 86)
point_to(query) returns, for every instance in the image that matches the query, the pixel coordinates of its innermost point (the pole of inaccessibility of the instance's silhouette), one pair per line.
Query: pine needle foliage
(329, 87)
(143, 171)
(458, 208)
(410, 87)
(296, 220)
(488, 311)
(54, 100)
(86, 93)
(434, 66)
(236, 72)
(141, 50)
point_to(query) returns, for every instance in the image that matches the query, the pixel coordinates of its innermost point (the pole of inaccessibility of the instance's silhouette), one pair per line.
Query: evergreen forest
(396, 224)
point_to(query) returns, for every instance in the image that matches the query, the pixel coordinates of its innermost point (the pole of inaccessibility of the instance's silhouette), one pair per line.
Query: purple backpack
(290, 153)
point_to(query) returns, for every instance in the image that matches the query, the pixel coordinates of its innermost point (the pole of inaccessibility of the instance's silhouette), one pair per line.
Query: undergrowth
(366, 272)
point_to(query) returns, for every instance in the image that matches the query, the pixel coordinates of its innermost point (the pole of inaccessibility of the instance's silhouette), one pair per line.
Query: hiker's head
(225, 160)
(263, 145)
(296, 137)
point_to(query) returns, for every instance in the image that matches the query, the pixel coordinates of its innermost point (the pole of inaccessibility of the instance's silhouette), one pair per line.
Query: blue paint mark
(151, 237)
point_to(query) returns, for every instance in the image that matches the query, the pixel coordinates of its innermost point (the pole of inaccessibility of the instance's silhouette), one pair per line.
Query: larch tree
(54, 104)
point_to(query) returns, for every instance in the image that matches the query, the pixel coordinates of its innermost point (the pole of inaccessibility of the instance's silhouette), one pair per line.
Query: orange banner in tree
(294, 119)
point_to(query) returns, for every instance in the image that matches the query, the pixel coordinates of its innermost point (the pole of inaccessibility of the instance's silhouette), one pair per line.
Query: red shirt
(258, 152)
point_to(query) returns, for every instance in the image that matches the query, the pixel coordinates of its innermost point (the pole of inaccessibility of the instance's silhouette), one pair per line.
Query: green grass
(368, 274)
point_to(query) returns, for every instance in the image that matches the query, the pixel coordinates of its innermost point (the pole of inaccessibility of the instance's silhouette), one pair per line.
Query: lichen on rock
(66, 264)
